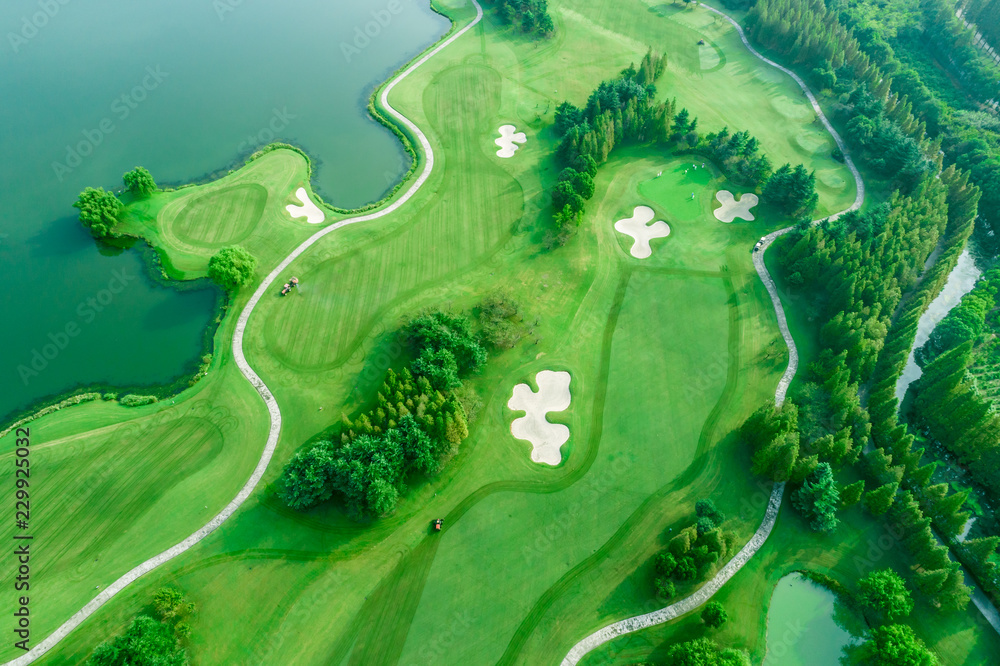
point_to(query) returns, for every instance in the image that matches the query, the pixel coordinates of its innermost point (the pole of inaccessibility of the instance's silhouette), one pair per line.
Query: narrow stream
(960, 282)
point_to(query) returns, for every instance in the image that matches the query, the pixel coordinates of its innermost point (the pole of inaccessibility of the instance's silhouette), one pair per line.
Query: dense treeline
(531, 16)
(854, 272)
(857, 268)
(416, 421)
(625, 110)
(621, 110)
(844, 50)
(415, 425)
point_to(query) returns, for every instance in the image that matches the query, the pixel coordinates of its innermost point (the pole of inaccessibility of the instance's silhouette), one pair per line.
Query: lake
(185, 88)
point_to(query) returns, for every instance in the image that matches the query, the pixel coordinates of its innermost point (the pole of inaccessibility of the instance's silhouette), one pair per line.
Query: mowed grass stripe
(221, 217)
(343, 297)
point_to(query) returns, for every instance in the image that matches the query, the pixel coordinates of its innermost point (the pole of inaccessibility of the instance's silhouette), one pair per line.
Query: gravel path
(272, 406)
(705, 592)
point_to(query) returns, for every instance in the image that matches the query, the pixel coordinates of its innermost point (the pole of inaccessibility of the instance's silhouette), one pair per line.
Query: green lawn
(668, 355)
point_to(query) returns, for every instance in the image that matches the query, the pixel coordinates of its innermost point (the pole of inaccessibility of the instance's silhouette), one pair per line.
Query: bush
(665, 588)
(133, 400)
(146, 641)
(232, 267)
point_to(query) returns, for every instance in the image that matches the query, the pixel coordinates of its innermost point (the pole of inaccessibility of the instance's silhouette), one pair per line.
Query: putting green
(668, 355)
(221, 217)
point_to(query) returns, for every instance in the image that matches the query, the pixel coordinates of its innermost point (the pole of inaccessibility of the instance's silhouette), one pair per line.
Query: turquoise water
(805, 625)
(91, 89)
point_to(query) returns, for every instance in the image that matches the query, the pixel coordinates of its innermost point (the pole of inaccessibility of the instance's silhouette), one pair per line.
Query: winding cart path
(272, 406)
(705, 592)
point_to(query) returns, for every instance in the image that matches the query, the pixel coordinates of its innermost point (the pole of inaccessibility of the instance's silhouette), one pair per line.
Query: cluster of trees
(883, 130)
(782, 452)
(150, 640)
(412, 429)
(739, 156)
(619, 110)
(885, 600)
(856, 269)
(692, 552)
(622, 109)
(704, 652)
(791, 190)
(854, 272)
(100, 211)
(846, 45)
(414, 426)
(232, 267)
(501, 321)
(445, 346)
(531, 16)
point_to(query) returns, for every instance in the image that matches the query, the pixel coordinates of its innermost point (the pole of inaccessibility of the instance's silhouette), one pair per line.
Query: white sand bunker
(308, 209)
(509, 137)
(553, 396)
(731, 208)
(641, 232)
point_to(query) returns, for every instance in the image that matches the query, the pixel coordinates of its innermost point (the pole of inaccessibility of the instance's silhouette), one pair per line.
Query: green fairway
(668, 355)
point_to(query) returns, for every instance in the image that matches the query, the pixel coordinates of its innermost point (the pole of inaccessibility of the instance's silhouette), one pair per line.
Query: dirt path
(272, 406)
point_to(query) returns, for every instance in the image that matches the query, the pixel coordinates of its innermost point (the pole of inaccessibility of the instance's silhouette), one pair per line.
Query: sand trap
(731, 208)
(553, 396)
(641, 232)
(509, 137)
(308, 209)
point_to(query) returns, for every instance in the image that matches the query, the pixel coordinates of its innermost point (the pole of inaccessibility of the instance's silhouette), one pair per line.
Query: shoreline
(152, 258)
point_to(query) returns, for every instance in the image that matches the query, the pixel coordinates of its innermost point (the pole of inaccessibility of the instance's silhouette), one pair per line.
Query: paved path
(705, 592)
(272, 406)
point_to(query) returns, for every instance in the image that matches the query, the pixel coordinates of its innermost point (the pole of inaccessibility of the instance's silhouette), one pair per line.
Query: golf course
(646, 339)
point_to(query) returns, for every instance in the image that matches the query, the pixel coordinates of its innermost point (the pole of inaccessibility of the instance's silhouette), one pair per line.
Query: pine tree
(931, 582)
(851, 494)
(879, 500)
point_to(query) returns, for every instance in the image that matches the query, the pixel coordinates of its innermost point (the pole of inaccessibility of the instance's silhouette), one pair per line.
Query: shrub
(133, 400)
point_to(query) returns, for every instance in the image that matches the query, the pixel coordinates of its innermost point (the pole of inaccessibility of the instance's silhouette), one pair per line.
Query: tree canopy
(884, 596)
(818, 499)
(792, 191)
(146, 642)
(232, 267)
(704, 652)
(892, 645)
(100, 211)
(714, 615)
(139, 182)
